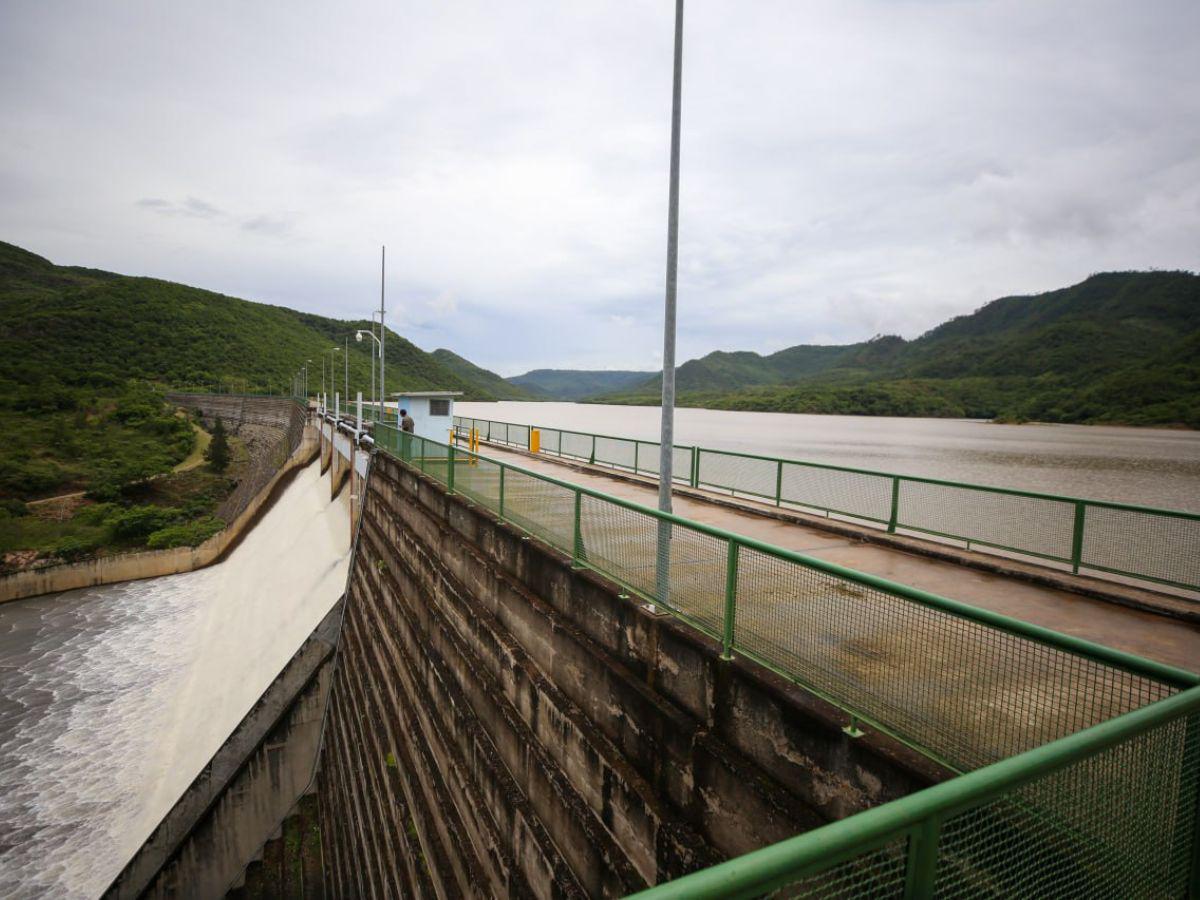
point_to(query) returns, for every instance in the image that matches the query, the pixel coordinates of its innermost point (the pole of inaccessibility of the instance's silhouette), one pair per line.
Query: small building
(432, 412)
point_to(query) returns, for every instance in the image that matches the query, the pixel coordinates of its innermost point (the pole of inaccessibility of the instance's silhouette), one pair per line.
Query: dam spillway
(113, 698)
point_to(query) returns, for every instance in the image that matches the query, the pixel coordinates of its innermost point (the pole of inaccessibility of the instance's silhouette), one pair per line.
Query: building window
(439, 407)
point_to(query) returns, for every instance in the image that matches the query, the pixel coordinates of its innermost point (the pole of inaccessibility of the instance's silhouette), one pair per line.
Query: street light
(358, 336)
(667, 436)
(332, 382)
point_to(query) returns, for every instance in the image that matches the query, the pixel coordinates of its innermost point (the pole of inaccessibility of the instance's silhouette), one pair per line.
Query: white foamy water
(112, 699)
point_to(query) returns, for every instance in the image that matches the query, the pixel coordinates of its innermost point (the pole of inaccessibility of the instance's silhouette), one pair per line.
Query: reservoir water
(1152, 467)
(112, 699)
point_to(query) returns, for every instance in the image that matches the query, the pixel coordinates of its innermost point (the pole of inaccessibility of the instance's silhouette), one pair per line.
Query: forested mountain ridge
(1117, 347)
(576, 384)
(499, 388)
(67, 325)
(86, 356)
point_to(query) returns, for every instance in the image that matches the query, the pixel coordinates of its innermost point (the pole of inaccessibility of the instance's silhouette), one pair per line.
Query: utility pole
(346, 393)
(667, 435)
(382, 331)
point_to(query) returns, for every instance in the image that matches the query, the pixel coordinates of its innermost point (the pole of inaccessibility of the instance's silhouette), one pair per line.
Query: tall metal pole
(667, 436)
(346, 359)
(382, 330)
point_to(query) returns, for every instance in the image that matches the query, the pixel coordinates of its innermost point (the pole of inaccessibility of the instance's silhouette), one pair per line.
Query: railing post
(731, 576)
(895, 513)
(450, 468)
(502, 468)
(592, 458)
(921, 871)
(1077, 536)
(695, 479)
(577, 543)
(779, 484)
(637, 445)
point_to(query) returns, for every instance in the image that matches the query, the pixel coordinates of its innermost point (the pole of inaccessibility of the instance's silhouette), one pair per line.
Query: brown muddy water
(1148, 466)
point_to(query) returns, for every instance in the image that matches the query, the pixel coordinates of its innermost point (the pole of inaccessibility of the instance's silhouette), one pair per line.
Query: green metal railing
(1082, 760)
(1160, 546)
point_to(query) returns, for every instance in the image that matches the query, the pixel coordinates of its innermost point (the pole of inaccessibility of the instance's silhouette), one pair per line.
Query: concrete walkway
(1147, 634)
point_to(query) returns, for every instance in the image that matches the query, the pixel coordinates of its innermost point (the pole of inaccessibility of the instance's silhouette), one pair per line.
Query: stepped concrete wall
(502, 724)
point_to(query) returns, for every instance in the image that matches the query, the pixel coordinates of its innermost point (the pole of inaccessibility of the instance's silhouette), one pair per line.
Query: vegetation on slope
(1119, 347)
(499, 388)
(576, 384)
(85, 359)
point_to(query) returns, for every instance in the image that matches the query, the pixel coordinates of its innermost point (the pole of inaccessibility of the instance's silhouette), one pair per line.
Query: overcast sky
(849, 168)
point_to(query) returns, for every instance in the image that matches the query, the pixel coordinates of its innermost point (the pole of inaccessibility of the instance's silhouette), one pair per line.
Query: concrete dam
(430, 670)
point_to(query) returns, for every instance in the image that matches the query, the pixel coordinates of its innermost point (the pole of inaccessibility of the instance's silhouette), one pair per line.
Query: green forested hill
(1118, 347)
(85, 357)
(70, 326)
(498, 387)
(576, 384)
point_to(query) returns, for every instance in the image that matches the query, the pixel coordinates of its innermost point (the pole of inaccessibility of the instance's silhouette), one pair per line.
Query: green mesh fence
(1161, 546)
(1081, 762)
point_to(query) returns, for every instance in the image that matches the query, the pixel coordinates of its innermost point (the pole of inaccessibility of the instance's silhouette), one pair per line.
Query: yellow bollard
(535, 440)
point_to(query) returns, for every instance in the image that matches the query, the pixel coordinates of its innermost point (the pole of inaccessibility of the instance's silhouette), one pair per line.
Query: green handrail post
(731, 577)
(1077, 536)
(502, 468)
(450, 469)
(636, 447)
(921, 871)
(695, 479)
(779, 484)
(592, 458)
(895, 513)
(577, 543)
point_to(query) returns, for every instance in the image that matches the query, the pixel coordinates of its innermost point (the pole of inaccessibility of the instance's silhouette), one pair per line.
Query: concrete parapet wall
(154, 563)
(502, 724)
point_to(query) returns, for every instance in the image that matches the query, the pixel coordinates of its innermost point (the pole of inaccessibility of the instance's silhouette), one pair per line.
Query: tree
(218, 454)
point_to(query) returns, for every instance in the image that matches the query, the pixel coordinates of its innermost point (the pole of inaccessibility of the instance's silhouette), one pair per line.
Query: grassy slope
(1119, 347)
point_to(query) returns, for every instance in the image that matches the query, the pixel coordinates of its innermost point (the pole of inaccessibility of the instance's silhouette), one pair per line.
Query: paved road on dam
(112, 699)
(1153, 636)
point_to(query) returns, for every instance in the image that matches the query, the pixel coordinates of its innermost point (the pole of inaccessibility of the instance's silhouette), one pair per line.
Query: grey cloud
(849, 166)
(192, 207)
(268, 225)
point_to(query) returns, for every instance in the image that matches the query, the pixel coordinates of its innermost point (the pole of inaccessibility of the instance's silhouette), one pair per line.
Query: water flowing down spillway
(112, 699)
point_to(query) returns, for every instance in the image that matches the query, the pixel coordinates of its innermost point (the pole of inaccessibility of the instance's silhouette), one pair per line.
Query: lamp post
(382, 330)
(667, 438)
(378, 348)
(332, 382)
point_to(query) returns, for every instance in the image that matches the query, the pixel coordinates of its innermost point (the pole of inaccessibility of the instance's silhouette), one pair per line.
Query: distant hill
(62, 325)
(577, 384)
(1118, 347)
(498, 387)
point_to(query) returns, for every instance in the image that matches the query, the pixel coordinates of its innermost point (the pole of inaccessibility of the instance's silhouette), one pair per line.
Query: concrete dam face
(501, 724)
(114, 698)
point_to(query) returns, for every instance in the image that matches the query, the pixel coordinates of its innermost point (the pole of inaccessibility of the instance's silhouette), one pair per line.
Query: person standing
(407, 426)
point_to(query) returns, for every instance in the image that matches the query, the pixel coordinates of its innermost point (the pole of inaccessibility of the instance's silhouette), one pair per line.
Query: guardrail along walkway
(1147, 634)
(1080, 762)
(1102, 538)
